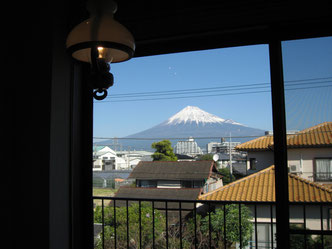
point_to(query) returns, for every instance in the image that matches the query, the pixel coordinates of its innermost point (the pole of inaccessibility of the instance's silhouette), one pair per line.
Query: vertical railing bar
(140, 223)
(240, 226)
(321, 224)
(103, 221)
(210, 235)
(225, 240)
(180, 217)
(271, 211)
(127, 224)
(166, 207)
(153, 238)
(114, 207)
(195, 225)
(305, 226)
(256, 234)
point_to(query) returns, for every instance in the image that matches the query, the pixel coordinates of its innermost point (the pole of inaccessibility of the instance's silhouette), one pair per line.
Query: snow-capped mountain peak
(193, 114)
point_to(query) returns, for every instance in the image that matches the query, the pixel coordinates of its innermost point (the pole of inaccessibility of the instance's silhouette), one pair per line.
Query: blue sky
(215, 68)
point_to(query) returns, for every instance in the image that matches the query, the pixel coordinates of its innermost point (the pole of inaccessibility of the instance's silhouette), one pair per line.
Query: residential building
(106, 159)
(259, 188)
(133, 157)
(188, 147)
(309, 153)
(223, 147)
(171, 180)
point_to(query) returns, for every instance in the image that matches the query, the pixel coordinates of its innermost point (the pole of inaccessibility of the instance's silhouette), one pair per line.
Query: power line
(210, 95)
(222, 87)
(214, 89)
(198, 138)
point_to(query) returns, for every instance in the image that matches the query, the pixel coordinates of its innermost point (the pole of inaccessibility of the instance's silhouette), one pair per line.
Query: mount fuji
(191, 122)
(194, 122)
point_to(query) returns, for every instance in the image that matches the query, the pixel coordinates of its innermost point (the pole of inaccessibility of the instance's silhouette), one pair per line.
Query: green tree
(205, 157)
(164, 151)
(232, 226)
(189, 226)
(225, 172)
(134, 222)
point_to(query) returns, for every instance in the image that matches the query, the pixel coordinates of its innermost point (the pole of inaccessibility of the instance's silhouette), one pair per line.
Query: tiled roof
(258, 144)
(182, 170)
(160, 193)
(260, 187)
(316, 136)
(319, 135)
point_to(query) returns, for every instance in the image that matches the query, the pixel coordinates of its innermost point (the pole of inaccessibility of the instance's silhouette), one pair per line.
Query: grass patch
(103, 192)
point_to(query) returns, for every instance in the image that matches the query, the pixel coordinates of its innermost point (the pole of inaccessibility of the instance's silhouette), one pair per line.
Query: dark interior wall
(27, 91)
(60, 134)
(37, 127)
(47, 124)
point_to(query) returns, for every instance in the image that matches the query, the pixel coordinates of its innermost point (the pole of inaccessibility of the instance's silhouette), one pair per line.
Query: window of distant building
(146, 183)
(186, 184)
(323, 169)
(252, 163)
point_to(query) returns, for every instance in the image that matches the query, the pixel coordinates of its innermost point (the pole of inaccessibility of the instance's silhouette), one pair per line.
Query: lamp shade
(112, 40)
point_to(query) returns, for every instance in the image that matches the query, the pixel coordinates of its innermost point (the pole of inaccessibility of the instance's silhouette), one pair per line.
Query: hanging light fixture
(100, 40)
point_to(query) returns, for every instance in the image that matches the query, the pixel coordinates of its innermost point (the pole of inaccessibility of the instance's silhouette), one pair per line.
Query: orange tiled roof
(260, 187)
(319, 135)
(316, 136)
(258, 144)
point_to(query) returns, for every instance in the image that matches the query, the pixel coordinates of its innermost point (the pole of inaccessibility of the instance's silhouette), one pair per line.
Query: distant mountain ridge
(192, 114)
(191, 122)
(194, 122)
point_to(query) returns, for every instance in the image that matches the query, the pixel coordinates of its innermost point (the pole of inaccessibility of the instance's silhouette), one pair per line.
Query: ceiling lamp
(100, 40)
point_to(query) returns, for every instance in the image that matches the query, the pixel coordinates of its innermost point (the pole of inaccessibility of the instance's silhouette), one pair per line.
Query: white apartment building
(188, 147)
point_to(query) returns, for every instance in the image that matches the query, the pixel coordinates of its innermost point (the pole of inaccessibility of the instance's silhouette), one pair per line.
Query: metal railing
(166, 223)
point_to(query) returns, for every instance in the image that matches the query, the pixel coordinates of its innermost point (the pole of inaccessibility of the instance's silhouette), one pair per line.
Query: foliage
(189, 226)
(297, 241)
(217, 224)
(225, 172)
(232, 225)
(205, 157)
(164, 151)
(134, 222)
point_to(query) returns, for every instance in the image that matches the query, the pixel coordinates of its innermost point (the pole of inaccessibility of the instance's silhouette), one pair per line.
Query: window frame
(317, 179)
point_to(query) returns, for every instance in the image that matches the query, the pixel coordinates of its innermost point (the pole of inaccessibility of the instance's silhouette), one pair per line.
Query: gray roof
(182, 170)
(160, 193)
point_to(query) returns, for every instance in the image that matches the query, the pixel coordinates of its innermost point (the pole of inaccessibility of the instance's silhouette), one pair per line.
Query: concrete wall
(264, 159)
(304, 158)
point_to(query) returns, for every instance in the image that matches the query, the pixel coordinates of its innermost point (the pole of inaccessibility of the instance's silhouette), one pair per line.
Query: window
(252, 163)
(330, 219)
(186, 184)
(323, 169)
(264, 236)
(147, 183)
(198, 184)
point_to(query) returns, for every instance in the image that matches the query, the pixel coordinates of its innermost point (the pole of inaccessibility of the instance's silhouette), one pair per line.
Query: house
(133, 157)
(55, 112)
(309, 153)
(106, 159)
(259, 188)
(183, 174)
(185, 180)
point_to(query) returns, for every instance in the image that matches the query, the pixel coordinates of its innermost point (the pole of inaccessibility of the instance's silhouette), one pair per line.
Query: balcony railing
(165, 223)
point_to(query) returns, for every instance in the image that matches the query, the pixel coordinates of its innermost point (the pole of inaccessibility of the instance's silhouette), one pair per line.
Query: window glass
(187, 109)
(307, 66)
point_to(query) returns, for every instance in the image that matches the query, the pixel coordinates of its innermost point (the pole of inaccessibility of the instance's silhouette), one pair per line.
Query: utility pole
(230, 156)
